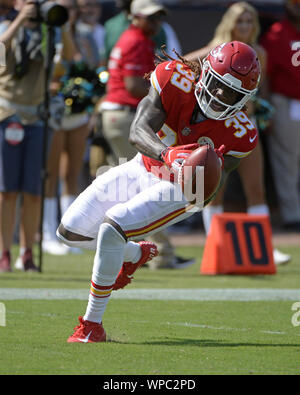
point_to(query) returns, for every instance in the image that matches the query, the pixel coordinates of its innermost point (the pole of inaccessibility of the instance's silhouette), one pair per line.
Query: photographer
(22, 89)
(80, 88)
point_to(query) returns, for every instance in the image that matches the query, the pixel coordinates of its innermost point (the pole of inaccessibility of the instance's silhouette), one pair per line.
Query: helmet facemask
(213, 107)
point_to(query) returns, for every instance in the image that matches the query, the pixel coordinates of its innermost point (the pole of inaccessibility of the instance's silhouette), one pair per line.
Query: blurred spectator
(70, 143)
(131, 58)
(89, 32)
(7, 9)
(240, 22)
(22, 84)
(116, 25)
(282, 43)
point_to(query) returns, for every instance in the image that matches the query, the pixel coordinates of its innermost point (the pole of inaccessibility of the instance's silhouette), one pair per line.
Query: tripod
(48, 64)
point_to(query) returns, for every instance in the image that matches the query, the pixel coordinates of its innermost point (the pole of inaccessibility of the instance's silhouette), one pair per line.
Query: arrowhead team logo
(216, 51)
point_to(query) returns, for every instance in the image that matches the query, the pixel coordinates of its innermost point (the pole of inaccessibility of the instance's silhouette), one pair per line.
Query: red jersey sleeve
(172, 80)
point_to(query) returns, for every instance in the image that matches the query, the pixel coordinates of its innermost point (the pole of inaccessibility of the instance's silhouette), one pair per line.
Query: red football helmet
(232, 68)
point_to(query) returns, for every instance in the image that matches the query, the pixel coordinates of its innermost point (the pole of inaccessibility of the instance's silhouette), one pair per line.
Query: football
(200, 174)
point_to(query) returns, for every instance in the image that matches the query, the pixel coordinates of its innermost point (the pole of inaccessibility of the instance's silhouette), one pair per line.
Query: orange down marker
(238, 244)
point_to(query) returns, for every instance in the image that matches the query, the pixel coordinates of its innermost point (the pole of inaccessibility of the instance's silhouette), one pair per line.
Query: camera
(51, 13)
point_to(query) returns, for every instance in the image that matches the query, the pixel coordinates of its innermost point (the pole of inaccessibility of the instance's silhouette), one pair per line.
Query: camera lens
(53, 14)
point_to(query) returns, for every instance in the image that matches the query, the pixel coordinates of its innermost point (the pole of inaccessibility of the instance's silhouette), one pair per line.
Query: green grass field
(151, 337)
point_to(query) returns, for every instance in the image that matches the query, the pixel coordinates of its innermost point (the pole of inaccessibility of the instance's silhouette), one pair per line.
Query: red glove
(220, 152)
(174, 156)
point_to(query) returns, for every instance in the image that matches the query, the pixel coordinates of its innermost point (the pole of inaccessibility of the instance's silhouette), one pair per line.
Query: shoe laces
(94, 326)
(81, 324)
(129, 268)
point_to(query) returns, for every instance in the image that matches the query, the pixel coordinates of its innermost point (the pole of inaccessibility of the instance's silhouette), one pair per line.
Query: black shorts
(21, 151)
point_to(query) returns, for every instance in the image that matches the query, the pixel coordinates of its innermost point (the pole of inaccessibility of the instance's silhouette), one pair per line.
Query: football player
(188, 105)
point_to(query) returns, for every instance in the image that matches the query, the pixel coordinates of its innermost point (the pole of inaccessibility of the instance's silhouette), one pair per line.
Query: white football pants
(138, 201)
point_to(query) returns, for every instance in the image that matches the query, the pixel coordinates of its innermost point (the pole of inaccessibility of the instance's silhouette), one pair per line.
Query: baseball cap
(146, 7)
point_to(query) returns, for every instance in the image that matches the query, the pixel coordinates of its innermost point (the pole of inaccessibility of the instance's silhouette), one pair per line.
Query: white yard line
(221, 328)
(243, 294)
(207, 294)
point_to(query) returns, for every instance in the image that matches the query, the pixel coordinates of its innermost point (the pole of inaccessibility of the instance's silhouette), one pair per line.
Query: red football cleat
(5, 262)
(149, 251)
(88, 332)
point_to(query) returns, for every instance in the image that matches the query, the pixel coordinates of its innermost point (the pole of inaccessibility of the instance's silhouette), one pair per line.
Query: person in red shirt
(131, 58)
(186, 106)
(282, 43)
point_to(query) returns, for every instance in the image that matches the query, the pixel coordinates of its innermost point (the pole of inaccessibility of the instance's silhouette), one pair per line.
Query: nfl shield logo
(206, 140)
